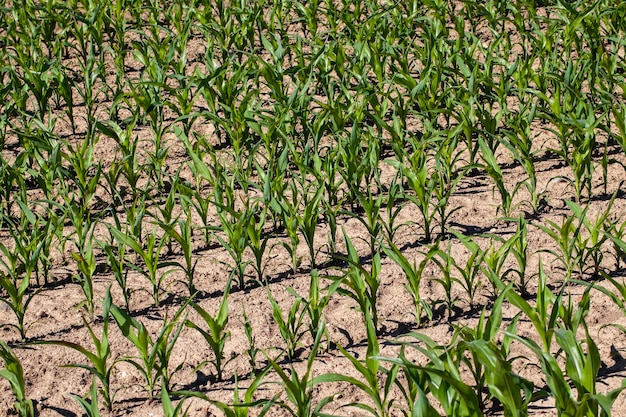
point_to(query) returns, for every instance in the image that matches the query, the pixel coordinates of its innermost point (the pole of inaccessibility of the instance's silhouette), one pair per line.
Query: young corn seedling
(86, 264)
(252, 350)
(518, 141)
(583, 143)
(568, 240)
(576, 122)
(449, 170)
(216, 333)
(14, 373)
(470, 273)
(316, 303)
(291, 327)
(441, 377)
(155, 353)
(234, 221)
(115, 254)
(240, 408)
(361, 285)
(287, 211)
(128, 165)
(511, 390)
(445, 262)
(85, 176)
(168, 407)
(581, 372)
(545, 313)
(413, 276)
(201, 205)
(89, 404)
(518, 246)
(358, 154)
(393, 206)
(98, 358)
(257, 240)
(307, 222)
(300, 389)
(493, 170)
(376, 382)
(422, 184)
(372, 221)
(183, 236)
(616, 232)
(166, 207)
(235, 225)
(590, 250)
(150, 257)
(19, 294)
(489, 364)
(29, 243)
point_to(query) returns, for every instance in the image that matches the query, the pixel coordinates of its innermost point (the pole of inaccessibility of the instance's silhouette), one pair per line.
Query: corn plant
(371, 221)
(22, 262)
(154, 353)
(493, 169)
(252, 351)
(201, 205)
(581, 368)
(291, 328)
(377, 382)
(168, 408)
(518, 141)
(519, 248)
(287, 210)
(183, 236)
(300, 389)
(89, 404)
(469, 274)
(545, 314)
(489, 362)
(14, 373)
(308, 220)
(578, 252)
(166, 207)
(393, 206)
(235, 225)
(450, 169)
(216, 333)
(257, 240)
(584, 143)
(85, 175)
(590, 249)
(127, 165)
(362, 286)
(19, 294)
(239, 408)
(413, 275)
(86, 264)
(445, 262)
(422, 184)
(99, 358)
(315, 303)
(440, 377)
(115, 254)
(31, 245)
(616, 235)
(150, 255)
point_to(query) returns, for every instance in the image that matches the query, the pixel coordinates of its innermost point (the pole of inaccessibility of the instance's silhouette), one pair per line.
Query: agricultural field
(313, 208)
